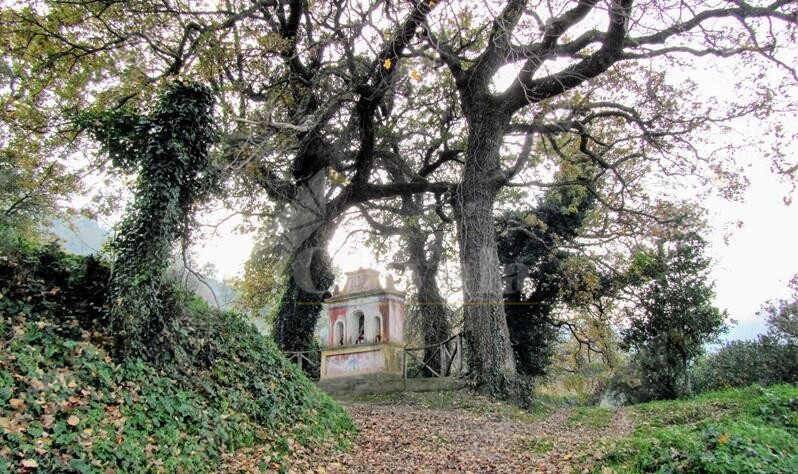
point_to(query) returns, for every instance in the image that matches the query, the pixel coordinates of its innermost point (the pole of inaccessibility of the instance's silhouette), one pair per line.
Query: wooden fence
(448, 353)
(306, 364)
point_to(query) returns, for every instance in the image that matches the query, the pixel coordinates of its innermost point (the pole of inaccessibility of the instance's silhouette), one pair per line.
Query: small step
(384, 383)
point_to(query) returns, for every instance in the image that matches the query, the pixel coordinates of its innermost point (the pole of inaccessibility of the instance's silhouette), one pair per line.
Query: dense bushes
(67, 405)
(43, 281)
(742, 363)
(771, 359)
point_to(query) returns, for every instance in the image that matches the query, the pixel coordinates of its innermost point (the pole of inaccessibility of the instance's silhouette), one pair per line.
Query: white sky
(760, 257)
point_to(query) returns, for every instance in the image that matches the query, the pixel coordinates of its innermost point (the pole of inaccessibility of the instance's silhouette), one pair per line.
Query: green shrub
(750, 430)
(44, 281)
(637, 380)
(742, 363)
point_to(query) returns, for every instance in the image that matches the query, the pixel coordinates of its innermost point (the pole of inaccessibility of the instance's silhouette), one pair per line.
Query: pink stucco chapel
(365, 327)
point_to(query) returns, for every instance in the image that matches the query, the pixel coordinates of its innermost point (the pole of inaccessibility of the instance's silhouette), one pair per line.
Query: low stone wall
(387, 383)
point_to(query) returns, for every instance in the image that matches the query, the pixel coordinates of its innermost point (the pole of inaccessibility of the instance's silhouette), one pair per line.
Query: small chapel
(365, 327)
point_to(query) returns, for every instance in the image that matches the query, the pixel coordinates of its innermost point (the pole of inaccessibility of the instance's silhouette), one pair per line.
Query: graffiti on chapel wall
(355, 362)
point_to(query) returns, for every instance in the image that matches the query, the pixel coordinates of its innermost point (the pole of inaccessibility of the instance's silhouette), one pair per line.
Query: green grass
(539, 445)
(595, 417)
(752, 430)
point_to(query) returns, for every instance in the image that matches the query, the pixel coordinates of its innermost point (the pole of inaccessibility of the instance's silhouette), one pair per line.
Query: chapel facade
(365, 327)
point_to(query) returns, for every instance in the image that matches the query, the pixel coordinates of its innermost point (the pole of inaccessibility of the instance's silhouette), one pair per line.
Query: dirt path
(412, 439)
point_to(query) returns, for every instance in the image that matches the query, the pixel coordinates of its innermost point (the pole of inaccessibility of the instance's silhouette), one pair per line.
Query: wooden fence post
(460, 354)
(444, 359)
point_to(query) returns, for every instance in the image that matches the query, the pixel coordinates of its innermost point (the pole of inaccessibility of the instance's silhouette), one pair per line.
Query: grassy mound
(66, 405)
(746, 430)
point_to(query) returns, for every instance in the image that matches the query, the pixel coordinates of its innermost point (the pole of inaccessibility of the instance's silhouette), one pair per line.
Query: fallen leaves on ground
(412, 439)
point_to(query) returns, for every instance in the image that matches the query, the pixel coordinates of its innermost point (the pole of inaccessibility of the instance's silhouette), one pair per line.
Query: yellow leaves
(30, 463)
(43, 445)
(414, 74)
(17, 424)
(387, 64)
(723, 439)
(73, 420)
(17, 403)
(47, 420)
(337, 177)
(533, 221)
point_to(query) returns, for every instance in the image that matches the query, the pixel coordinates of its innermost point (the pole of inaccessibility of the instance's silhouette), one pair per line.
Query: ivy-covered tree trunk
(688, 387)
(169, 150)
(431, 318)
(308, 276)
(308, 272)
(484, 324)
(531, 245)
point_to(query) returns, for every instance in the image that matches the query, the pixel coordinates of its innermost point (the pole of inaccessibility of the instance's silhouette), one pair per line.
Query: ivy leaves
(170, 151)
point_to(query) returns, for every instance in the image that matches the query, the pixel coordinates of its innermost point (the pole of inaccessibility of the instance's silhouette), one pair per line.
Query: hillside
(68, 405)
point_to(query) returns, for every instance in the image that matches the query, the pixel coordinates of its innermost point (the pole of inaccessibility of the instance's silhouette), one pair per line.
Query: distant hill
(82, 236)
(86, 236)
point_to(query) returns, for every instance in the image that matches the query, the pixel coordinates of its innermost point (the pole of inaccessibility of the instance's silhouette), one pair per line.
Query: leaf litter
(401, 438)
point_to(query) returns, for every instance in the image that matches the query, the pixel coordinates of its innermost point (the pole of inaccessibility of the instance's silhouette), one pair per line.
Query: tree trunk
(430, 316)
(484, 324)
(308, 276)
(308, 271)
(688, 387)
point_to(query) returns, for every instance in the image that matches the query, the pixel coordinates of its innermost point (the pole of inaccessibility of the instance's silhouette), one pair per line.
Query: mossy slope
(67, 405)
(743, 430)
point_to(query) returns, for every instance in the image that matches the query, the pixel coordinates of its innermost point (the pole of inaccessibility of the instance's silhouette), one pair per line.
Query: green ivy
(226, 387)
(747, 430)
(169, 149)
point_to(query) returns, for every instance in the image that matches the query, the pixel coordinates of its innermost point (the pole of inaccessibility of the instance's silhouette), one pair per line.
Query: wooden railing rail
(301, 357)
(447, 358)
